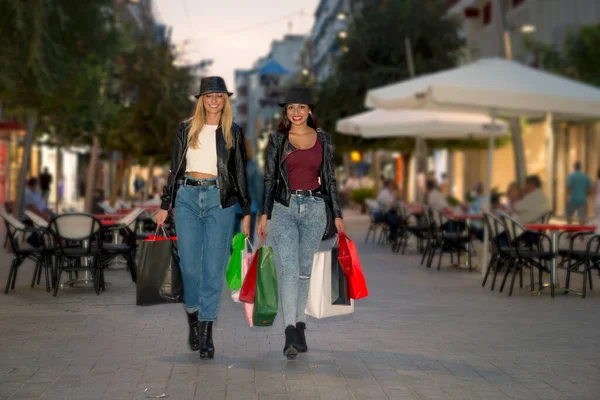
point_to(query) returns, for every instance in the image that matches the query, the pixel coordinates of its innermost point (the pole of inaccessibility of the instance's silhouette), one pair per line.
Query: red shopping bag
(345, 253)
(356, 281)
(248, 307)
(153, 238)
(248, 289)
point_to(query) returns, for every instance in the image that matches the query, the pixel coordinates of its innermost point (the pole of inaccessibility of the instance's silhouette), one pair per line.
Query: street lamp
(342, 34)
(527, 28)
(341, 16)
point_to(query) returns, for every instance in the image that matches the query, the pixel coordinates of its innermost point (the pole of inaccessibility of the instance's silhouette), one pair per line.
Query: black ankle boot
(302, 347)
(291, 341)
(194, 336)
(207, 348)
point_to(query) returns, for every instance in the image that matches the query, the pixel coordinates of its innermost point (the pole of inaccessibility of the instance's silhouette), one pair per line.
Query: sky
(233, 33)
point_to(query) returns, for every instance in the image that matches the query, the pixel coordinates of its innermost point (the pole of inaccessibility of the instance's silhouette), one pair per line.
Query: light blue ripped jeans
(296, 232)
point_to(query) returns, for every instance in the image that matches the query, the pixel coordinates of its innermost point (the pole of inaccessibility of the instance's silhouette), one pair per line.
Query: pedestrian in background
(255, 188)
(299, 184)
(138, 188)
(388, 200)
(208, 176)
(45, 182)
(579, 186)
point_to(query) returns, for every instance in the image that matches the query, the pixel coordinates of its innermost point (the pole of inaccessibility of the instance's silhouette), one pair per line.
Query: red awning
(10, 125)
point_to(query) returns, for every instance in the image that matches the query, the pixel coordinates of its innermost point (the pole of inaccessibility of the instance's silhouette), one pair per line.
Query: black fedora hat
(298, 95)
(212, 84)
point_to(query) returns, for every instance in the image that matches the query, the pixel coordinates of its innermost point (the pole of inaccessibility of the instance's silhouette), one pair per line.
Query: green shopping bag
(265, 299)
(234, 268)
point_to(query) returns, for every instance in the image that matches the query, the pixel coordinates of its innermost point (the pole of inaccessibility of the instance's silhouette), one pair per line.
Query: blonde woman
(208, 176)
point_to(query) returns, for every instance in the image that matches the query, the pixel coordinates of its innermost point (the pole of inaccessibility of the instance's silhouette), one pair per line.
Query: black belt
(309, 193)
(204, 182)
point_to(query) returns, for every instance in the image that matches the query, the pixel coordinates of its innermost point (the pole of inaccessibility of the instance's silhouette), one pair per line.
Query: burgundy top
(303, 167)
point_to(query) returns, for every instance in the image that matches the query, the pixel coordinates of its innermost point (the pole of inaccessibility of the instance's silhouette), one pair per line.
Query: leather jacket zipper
(287, 185)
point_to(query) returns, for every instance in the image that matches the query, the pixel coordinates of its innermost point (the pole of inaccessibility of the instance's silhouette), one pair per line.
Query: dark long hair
(285, 124)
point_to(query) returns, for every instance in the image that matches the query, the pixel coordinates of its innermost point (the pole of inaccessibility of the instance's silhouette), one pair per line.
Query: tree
(374, 55)
(579, 59)
(156, 94)
(54, 57)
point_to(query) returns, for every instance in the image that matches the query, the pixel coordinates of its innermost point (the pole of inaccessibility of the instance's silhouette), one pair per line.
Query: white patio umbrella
(421, 123)
(507, 88)
(495, 86)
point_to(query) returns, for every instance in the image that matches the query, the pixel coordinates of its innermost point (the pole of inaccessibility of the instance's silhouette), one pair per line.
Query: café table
(555, 230)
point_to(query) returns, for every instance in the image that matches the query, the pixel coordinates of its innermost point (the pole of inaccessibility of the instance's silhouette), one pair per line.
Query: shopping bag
(248, 307)
(266, 298)
(356, 282)
(234, 267)
(320, 293)
(158, 274)
(248, 290)
(340, 294)
(346, 252)
(246, 261)
(171, 289)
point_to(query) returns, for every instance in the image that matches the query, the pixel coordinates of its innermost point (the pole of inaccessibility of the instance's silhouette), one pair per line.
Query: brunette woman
(208, 175)
(299, 187)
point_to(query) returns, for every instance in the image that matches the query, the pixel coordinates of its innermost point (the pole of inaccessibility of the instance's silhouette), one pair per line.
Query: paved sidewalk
(422, 334)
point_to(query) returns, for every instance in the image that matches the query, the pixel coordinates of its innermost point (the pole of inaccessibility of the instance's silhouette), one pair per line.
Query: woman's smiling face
(297, 113)
(213, 102)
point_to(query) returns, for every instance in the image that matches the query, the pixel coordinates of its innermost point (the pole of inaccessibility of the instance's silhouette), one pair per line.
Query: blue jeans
(297, 231)
(204, 232)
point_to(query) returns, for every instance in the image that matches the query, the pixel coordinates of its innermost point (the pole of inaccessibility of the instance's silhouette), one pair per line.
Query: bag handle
(249, 244)
(262, 240)
(343, 237)
(337, 240)
(164, 231)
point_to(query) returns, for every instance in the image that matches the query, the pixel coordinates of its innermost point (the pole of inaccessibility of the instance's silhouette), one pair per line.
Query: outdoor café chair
(41, 255)
(79, 248)
(529, 251)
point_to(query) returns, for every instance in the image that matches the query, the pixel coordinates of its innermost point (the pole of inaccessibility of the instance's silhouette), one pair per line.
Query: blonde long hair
(199, 119)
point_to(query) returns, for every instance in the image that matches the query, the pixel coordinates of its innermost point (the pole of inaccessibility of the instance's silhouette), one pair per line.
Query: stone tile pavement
(422, 334)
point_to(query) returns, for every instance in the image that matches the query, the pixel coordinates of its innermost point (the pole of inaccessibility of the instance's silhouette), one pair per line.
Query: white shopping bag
(319, 303)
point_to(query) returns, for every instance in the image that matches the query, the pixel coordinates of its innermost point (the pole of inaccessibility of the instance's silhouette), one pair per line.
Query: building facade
(326, 38)
(501, 28)
(261, 88)
(545, 21)
(240, 98)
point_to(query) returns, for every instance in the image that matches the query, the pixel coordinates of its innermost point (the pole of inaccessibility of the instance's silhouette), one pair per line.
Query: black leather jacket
(276, 177)
(231, 167)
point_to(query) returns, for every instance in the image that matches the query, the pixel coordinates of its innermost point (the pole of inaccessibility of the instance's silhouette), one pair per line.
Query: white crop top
(204, 158)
